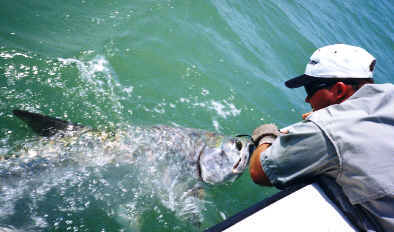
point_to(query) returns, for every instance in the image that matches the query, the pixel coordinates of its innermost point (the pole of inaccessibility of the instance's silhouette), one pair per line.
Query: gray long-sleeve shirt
(342, 142)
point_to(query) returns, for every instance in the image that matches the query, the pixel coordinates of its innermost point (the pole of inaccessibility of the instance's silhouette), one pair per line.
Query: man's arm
(256, 170)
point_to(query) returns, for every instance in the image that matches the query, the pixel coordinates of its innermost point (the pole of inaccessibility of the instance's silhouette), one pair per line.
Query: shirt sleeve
(301, 154)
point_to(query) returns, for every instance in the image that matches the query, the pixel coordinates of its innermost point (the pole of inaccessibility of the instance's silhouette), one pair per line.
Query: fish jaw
(244, 158)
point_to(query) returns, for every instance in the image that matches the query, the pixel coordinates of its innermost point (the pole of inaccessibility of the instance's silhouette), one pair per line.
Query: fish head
(224, 159)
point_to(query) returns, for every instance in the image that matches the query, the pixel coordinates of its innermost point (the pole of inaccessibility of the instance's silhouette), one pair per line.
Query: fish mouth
(235, 167)
(199, 168)
(241, 164)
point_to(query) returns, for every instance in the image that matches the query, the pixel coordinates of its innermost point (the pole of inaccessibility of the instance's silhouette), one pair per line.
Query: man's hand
(263, 136)
(265, 133)
(256, 170)
(304, 116)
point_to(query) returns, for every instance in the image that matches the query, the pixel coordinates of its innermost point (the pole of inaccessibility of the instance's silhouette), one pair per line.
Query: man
(347, 139)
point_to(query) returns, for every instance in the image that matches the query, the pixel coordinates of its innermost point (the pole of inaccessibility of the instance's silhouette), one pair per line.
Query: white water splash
(224, 108)
(99, 80)
(127, 175)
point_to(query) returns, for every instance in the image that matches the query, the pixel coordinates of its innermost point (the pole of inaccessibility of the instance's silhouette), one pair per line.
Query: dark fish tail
(45, 125)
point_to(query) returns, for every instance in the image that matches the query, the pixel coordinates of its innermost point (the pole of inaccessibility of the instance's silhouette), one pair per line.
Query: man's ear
(340, 90)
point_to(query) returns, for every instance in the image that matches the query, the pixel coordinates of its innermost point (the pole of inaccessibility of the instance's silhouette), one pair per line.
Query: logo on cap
(372, 66)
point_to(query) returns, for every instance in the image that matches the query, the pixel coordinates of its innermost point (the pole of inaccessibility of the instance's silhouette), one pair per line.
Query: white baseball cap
(338, 61)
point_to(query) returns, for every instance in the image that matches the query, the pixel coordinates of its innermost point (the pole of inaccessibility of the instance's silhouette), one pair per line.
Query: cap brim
(299, 81)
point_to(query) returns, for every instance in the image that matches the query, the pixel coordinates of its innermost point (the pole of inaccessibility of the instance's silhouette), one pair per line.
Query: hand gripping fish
(210, 157)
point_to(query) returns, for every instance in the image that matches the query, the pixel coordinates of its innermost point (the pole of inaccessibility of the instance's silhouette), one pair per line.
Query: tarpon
(210, 157)
(133, 169)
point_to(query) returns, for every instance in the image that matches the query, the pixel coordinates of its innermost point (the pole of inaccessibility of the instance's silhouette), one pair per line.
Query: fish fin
(45, 125)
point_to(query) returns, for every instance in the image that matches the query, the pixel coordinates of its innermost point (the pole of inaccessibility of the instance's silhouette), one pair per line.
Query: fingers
(304, 116)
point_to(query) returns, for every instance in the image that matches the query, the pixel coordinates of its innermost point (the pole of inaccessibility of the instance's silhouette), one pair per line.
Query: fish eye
(238, 144)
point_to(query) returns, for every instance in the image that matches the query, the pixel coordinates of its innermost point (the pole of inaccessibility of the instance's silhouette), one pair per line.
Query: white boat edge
(306, 209)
